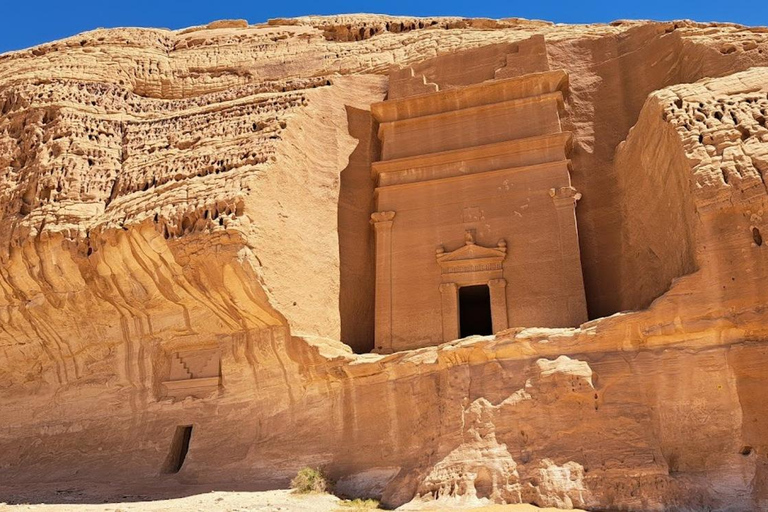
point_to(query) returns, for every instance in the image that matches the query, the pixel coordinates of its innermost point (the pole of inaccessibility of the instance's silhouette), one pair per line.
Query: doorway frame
(472, 265)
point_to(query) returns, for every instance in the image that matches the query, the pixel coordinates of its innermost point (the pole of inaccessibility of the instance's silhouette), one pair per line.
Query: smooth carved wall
(474, 188)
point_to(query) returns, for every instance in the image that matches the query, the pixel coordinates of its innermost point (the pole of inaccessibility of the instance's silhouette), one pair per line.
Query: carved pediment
(472, 257)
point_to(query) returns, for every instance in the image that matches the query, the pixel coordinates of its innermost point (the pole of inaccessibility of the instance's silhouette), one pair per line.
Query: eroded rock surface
(208, 190)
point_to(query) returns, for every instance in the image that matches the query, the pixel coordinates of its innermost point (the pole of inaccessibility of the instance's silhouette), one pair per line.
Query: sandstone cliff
(207, 191)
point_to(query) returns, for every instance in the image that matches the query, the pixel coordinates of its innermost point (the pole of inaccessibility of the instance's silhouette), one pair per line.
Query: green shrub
(309, 480)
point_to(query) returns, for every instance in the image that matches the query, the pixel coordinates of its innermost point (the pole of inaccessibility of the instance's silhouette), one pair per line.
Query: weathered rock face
(193, 208)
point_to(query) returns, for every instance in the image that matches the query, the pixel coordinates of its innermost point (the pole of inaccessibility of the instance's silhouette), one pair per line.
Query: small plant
(309, 480)
(360, 504)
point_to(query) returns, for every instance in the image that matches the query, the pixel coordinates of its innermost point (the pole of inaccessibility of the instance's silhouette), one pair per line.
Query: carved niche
(194, 373)
(472, 265)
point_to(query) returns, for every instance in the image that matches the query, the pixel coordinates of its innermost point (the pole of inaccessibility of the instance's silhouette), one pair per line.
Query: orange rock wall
(658, 248)
(166, 192)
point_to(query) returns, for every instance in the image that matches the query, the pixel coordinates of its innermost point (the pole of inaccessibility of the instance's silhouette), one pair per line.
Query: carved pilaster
(449, 303)
(565, 199)
(498, 289)
(382, 225)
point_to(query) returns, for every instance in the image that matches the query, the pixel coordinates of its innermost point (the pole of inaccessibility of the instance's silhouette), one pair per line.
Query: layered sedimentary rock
(186, 241)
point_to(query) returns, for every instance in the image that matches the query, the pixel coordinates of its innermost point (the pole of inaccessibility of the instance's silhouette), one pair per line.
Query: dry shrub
(309, 480)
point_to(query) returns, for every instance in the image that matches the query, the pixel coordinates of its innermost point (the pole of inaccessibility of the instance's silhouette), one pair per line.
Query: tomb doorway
(179, 449)
(475, 311)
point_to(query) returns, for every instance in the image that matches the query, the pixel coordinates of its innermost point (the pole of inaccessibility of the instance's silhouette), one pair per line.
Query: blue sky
(24, 23)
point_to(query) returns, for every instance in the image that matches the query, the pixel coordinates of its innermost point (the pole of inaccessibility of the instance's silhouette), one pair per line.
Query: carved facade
(475, 226)
(193, 373)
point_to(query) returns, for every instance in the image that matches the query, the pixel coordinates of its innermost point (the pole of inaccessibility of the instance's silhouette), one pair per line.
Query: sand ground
(225, 501)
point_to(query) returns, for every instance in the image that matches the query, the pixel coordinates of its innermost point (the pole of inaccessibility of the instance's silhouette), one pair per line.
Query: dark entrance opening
(179, 449)
(475, 310)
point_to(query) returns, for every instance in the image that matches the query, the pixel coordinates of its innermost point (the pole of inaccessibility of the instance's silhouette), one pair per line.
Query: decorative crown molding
(377, 217)
(564, 196)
